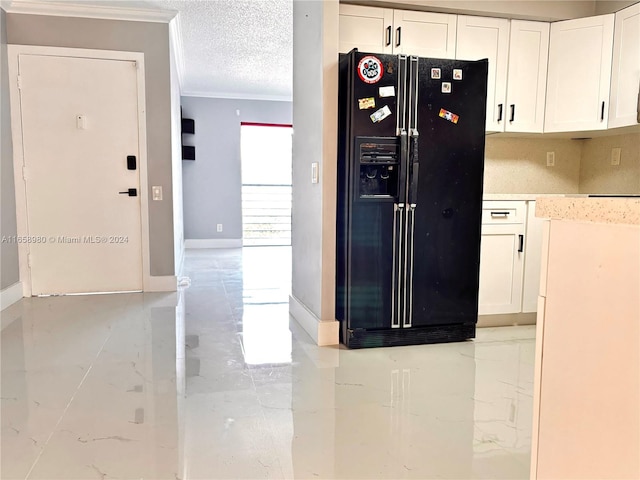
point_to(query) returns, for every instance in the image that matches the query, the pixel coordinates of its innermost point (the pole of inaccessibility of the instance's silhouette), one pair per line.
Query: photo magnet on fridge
(388, 91)
(446, 87)
(447, 115)
(380, 115)
(364, 103)
(370, 69)
(457, 74)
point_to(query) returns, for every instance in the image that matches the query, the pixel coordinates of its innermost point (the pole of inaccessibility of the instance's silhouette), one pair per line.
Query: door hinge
(19, 82)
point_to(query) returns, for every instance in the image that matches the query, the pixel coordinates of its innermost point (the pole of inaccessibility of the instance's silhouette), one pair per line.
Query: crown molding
(104, 12)
(237, 96)
(175, 33)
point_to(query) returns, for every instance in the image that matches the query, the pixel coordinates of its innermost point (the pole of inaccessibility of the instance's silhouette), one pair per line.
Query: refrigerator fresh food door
(447, 137)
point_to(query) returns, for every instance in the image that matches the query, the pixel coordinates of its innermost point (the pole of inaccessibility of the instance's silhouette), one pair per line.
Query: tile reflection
(218, 382)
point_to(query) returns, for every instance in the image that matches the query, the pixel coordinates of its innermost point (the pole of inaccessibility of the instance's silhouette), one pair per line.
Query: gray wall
(212, 184)
(153, 40)
(9, 273)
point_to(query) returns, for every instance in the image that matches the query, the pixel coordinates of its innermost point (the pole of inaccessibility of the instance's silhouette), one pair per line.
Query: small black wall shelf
(188, 128)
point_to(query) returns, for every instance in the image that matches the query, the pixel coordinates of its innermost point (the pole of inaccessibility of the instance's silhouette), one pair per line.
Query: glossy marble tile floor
(215, 382)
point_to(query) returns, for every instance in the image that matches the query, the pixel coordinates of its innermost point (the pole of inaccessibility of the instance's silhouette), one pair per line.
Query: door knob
(132, 192)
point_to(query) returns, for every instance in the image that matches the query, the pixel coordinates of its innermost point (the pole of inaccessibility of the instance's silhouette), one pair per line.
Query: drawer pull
(499, 214)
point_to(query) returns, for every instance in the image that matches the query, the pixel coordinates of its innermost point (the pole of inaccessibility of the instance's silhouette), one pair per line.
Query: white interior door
(79, 124)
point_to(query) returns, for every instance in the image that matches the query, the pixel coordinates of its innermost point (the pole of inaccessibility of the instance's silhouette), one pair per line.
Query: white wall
(547, 10)
(315, 111)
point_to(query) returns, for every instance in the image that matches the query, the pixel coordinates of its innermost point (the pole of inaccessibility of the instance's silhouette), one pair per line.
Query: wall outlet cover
(615, 156)
(551, 159)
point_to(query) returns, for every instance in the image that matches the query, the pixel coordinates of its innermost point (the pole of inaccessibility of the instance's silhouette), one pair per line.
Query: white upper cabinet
(481, 37)
(424, 34)
(624, 106)
(383, 30)
(368, 29)
(579, 77)
(527, 78)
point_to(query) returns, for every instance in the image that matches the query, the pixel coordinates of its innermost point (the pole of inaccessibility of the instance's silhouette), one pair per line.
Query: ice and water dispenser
(378, 162)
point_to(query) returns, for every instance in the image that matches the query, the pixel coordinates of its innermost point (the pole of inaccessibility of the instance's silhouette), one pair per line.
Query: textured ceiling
(236, 48)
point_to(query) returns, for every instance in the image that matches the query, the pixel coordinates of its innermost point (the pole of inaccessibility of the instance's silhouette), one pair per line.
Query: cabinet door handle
(398, 36)
(388, 41)
(499, 112)
(513, 112)
(602, 112)
(638, 108)
(521, 243)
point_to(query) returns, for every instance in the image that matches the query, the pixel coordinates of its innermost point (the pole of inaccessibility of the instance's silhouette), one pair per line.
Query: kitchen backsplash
(519, 165)
(597, 175)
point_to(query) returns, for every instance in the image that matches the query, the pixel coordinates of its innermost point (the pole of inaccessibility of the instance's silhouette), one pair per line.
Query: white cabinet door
(579, 77)
(624, 106)
(501, 265)
(368, 29)
(532, 260)
(424, 34)
(481, 37)
(527, 78)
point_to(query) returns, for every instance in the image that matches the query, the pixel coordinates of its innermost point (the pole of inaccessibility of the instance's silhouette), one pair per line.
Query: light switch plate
(156, 193)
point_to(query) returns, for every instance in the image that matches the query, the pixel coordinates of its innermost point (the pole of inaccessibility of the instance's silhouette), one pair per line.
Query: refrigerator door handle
(414, 165)
(396, 304)
(402, 191)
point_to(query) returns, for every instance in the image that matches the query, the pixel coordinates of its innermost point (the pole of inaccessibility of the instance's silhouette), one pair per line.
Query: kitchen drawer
(503, 212)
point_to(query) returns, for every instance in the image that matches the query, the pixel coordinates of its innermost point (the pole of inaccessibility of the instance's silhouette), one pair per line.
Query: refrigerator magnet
(380, 115)
(370, 69)
(447, 115)
(446, 87)
(457, 74)
(364, 103)
(436, 73)
(389, 91)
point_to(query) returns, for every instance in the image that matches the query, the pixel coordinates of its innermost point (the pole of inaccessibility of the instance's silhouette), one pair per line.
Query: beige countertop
(620, 210)
(518, 196)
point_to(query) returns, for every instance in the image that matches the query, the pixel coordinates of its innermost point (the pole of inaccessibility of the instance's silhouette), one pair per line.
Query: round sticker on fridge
(370, 69)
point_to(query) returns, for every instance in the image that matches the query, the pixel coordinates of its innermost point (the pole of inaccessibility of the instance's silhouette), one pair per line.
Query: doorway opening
(266, 184)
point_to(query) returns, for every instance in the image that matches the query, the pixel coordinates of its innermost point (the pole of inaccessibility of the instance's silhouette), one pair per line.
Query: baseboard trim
(166, 283)
(506, 320)
(10, 295)
(213, 243)
(323, 332)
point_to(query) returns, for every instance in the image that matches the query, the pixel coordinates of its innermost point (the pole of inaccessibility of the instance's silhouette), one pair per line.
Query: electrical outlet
(314, 172)
(551, 159)
(156, 193)
(615, 156)
(219, 227)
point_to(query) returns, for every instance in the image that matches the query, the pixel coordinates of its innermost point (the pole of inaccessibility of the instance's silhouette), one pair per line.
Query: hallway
(217, 382)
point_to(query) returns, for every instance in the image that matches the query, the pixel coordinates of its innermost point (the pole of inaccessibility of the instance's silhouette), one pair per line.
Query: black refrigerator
(411, 141)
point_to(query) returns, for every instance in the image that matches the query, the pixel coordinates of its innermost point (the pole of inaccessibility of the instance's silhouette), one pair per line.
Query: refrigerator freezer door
(370, 175)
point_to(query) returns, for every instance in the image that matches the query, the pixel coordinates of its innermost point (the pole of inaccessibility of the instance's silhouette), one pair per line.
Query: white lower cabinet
(510, 258)
(501, 257)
